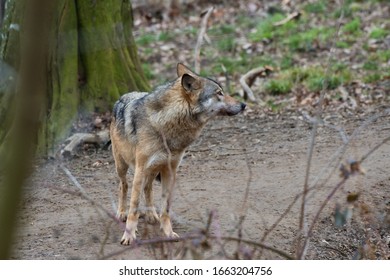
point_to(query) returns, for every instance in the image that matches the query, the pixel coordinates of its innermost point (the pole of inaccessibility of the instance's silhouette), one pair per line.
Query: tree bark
(29, 99)
(92, 61)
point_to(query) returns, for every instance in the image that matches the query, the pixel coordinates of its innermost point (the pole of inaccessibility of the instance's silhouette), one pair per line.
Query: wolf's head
(206, 96)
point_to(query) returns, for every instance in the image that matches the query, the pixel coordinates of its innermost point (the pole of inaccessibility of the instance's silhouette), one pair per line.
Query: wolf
(150, 133)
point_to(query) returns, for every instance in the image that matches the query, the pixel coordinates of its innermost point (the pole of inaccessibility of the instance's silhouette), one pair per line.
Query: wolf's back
(126, 107)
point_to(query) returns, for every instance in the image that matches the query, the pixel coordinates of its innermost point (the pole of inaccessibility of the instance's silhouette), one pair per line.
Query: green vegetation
(372, 78)
(146, 39)
(352, 27)
(370, 65)
(278, 86)
(310, 39)
(318, 7)
(266, 29)
(378, 33)
(297, 48)
(147, 68)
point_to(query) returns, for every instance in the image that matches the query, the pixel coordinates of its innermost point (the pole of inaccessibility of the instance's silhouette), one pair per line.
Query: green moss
(109, 59)
(64, 91)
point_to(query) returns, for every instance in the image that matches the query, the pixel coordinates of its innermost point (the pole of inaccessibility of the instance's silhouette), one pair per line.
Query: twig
(82, 193)
(193, 236)
(294, 15)
(252, 74)
(351, 171)
(340, 154)
(201, 36)
(301, 251)
(73, 179)
(226, 77)
(336, 158)
(324, 203)
(244, 207)
(375, 148)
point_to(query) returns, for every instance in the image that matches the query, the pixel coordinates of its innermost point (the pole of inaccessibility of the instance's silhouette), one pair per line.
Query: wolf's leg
(168, 178)
(141, 179)
(151, 214)
(121, 169)
(132, 218)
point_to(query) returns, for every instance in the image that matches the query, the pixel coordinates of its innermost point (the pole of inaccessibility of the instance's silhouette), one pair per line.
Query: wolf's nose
(243, 105)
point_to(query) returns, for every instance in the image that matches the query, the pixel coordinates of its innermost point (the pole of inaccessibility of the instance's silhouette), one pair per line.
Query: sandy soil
(259, 156)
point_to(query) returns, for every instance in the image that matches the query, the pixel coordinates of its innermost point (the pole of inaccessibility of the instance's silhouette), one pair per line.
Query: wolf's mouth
(236, 111)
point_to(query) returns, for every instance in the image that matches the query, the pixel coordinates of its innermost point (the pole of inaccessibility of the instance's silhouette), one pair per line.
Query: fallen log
(100, 138)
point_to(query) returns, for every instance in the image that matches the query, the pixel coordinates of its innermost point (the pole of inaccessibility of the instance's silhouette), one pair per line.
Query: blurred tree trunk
(92, 61)
(28, 105)
(56, 57)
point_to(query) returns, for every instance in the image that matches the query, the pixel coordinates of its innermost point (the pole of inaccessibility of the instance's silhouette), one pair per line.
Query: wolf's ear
(189, 83)
(182, 69)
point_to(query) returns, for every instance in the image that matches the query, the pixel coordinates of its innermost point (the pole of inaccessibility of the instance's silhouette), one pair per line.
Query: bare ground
(252, 165)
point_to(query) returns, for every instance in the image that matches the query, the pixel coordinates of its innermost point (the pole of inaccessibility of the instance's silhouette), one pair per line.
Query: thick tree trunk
(92, 61)
(28, 104)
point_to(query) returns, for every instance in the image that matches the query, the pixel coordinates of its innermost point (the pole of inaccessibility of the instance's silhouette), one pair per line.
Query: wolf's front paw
(173, 235)
(121, 216)
(128, 238)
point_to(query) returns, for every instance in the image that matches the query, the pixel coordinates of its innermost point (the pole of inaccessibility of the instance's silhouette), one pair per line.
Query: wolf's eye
(219, 92)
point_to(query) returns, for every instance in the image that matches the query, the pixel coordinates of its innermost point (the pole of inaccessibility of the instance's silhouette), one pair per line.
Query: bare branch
(201, 36)
(294, 15)
(301, 251)
(253, 74)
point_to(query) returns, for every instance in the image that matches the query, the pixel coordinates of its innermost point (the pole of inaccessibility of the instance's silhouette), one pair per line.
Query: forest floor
(245, 172)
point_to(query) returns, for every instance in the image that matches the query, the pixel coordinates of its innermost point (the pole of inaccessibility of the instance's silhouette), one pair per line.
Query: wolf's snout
(243, 106)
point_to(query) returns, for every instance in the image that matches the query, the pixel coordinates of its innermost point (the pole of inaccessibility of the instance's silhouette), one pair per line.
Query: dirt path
(268, 153)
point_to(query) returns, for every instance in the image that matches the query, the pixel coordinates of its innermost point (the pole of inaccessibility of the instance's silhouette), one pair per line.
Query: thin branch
(201, 36)
(260, 71)
(340, 153)
(375, 148)
(324, 203)
(193, 236)
(301, 251)
(294, 15)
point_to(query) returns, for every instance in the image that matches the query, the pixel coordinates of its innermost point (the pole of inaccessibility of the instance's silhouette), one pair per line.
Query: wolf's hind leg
(141, 179)
(151, 216)
(168, 178)
(121, 169)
